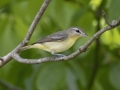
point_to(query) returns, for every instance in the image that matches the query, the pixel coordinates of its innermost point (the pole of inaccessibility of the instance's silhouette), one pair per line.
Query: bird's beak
(84, 34)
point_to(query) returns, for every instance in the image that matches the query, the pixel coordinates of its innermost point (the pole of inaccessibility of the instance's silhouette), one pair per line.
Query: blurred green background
(96, 69)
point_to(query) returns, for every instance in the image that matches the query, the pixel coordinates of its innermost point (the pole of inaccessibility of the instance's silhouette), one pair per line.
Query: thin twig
(8, 86)
(35, 21)
(16, 56)
(106, 19)
(42, 9)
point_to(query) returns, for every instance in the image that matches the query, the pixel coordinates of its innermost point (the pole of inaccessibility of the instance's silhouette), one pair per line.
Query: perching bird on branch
(59, 41)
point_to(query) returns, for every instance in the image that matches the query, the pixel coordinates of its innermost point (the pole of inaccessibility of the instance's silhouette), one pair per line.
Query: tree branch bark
(82, 49)
(8, 57)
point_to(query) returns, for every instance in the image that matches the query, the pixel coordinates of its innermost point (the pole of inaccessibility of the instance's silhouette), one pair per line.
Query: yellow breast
(58, 46)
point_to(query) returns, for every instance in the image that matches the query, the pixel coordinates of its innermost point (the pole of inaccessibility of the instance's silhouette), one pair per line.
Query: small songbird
(59, 41)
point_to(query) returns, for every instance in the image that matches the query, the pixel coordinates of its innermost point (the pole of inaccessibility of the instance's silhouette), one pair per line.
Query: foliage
(96, 69)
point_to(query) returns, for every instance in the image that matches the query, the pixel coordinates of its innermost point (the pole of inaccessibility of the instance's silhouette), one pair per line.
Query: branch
(8, 86)
(8, 57)
(82, 49)
(106, 20)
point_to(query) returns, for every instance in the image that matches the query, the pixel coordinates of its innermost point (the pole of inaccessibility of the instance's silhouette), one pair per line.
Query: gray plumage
(59, 41)
(58, 36)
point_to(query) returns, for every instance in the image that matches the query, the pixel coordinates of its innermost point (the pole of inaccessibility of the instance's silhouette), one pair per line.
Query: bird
(58, 42)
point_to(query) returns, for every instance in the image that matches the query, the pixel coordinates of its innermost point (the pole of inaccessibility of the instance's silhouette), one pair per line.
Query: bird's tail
(25, 48)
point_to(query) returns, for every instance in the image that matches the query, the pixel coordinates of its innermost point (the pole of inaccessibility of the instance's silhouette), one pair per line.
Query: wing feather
(58, 36)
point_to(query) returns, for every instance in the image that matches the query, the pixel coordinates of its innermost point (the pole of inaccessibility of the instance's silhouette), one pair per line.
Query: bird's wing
(59, 36)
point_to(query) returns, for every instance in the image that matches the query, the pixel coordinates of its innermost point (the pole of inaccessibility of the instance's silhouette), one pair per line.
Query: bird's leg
(57, 55)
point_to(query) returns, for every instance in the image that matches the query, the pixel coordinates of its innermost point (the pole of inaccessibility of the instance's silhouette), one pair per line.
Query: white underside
(59, 46)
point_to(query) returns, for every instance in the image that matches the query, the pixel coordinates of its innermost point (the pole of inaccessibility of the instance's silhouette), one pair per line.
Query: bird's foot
(61, 56)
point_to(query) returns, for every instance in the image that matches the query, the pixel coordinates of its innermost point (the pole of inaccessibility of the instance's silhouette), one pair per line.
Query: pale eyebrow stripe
(75, 28)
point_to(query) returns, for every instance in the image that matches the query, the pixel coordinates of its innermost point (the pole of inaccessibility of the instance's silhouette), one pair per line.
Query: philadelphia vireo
(59, 41)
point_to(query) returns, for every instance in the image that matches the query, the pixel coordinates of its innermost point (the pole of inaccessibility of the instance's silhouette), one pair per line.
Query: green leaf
(103, 78)
(3, 22)
(8, 40)
(32, 8)
(51, 77)
(111, 38)
(84, 2)
(114, 76)
(4, 2)
(20, 27)
(71, 80)
(83, 19)
(97, 86)
(62, 12)
(114, 11)
(79, 73)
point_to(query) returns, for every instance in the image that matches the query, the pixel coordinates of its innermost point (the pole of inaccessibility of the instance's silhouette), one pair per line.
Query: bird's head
(76, 32)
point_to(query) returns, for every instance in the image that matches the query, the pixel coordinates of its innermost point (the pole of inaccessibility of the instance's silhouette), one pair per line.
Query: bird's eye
(77, 31)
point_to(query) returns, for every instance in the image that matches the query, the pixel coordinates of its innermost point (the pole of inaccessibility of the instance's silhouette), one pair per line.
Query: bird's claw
(61, 56)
